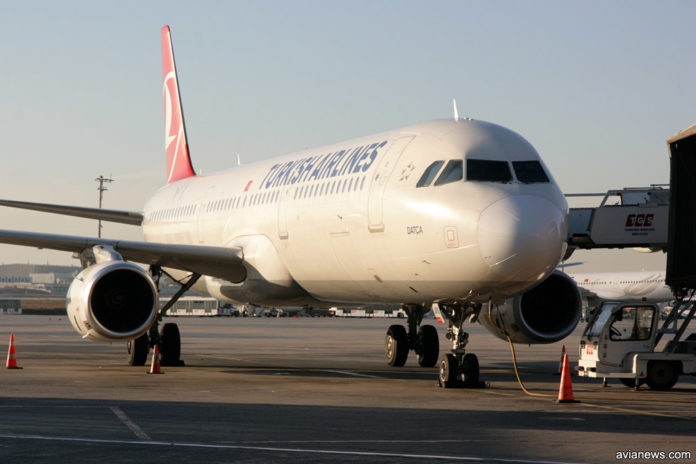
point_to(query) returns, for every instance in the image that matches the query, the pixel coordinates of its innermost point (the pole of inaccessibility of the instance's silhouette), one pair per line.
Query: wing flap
(124, 217)
(221, 262)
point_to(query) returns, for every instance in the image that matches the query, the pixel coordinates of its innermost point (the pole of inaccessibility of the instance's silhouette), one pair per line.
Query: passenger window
(529, 172)
(451, 173)
(429, 174)
(488, 171)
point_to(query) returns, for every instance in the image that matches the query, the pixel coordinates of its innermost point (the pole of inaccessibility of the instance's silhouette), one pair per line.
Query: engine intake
(114, 300)
(545, 314)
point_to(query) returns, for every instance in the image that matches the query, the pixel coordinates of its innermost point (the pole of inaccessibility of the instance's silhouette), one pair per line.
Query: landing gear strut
(169, 338)
(421, 339)
(458, 368)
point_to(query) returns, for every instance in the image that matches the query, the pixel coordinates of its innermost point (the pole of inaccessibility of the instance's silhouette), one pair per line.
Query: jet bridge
(606, 348)
(625, 218)
(681, 253)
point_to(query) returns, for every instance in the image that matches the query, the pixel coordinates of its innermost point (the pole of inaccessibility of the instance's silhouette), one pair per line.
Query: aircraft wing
(225, 263)
(124, 217)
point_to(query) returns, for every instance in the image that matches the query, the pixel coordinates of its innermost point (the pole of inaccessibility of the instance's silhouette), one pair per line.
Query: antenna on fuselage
(456, 112)
(239, 160)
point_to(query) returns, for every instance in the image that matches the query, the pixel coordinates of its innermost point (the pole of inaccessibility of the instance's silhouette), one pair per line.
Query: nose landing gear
(459, 368)
(421, 339)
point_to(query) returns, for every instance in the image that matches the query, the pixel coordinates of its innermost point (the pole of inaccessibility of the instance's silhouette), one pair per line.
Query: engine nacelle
(545, 314)
(113, 300)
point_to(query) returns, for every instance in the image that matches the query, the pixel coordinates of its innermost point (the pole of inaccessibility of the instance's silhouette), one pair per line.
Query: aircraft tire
(448, 375)
(429, 346)
(470, 369)
(170, 345)
(137, 349)
(662, 375)
(396, 346)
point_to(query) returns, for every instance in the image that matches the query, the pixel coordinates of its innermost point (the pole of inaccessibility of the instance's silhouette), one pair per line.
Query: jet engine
(545, 314)
(113, 300)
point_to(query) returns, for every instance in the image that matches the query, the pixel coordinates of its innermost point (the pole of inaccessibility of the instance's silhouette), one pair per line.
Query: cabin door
(379, 182)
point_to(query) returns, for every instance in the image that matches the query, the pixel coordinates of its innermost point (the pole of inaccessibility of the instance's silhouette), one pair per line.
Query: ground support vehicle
(620, 341)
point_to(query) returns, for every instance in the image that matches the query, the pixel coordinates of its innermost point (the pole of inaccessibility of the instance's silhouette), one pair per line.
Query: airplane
(625, 286)
(462, 215)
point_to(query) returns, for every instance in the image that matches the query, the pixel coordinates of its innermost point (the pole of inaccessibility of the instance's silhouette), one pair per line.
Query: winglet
(176, 144)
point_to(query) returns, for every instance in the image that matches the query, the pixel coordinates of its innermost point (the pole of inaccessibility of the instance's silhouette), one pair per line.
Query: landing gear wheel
(662, 375)
(396, 346)
(137, 349)
(170, 345)
(429, 346)
(448, 377)
(470, 370)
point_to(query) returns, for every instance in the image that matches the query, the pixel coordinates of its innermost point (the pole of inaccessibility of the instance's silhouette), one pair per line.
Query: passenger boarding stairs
(676, 324)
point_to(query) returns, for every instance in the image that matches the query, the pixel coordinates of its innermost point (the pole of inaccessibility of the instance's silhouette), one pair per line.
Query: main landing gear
(421, 339)
(458, 368)
(168, 339)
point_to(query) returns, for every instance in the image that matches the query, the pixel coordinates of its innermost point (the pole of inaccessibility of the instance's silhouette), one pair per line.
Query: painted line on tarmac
(354, 374)
(352, 442)
(129, 423)
(280, 450)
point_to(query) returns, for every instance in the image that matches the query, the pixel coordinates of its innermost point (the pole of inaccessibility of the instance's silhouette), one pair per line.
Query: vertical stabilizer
(175, 142)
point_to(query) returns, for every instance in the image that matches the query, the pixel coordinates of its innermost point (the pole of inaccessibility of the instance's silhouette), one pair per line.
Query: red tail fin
(178, 160)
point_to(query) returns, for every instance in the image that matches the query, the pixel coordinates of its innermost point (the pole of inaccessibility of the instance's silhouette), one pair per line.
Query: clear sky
(595, 86)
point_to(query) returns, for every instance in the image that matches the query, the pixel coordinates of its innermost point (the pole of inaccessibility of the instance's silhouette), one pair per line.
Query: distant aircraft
(625, 286)
(462, 214)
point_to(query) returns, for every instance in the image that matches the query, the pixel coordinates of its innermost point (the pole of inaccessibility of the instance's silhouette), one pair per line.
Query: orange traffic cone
(12, 355)
(560, 361)
(565, 391)
(155, 367)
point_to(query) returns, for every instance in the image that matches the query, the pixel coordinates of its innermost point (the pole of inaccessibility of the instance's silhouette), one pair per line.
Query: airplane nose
(522, 237)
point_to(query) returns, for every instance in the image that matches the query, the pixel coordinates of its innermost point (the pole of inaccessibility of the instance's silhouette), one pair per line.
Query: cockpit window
(452, 172)
(488, 171)
(529, 172)
(430, 173)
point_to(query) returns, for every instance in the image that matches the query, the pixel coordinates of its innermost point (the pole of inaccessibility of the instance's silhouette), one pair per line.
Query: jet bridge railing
(625, 218)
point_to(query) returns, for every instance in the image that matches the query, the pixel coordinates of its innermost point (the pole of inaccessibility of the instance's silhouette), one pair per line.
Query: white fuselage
(626, 286)
(347, 223)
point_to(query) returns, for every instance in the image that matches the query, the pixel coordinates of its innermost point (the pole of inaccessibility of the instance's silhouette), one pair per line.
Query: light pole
(102, 180)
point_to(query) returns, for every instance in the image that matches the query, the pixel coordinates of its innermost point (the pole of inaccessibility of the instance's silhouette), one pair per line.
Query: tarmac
(317, 390)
